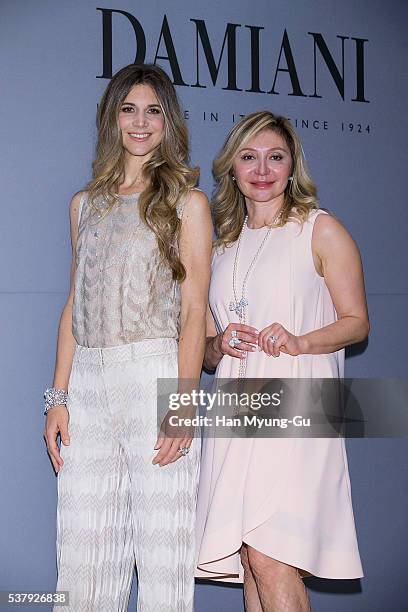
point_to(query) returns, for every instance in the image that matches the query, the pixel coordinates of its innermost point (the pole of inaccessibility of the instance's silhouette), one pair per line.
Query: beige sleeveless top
(124, 292)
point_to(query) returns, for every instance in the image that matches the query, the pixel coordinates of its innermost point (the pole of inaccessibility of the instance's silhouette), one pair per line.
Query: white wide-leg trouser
(115, 508)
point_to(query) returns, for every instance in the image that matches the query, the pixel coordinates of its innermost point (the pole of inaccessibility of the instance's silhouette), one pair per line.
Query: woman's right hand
(245, 333)
(56, 422)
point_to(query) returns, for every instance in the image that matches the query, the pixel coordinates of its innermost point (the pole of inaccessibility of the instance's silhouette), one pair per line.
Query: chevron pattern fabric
(124, 292)
(115, 508)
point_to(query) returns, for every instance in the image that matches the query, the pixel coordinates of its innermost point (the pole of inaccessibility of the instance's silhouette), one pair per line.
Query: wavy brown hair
(229, 208)
(166, 173)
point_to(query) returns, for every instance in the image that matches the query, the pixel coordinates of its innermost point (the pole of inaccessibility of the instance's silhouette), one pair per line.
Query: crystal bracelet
(54, 397)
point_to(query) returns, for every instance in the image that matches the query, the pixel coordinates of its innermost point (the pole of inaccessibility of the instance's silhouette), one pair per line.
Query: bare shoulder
(74, 204)
(196, 214)
(327, 228)
(73, 215)
(331, 238)
(197, 204)
(196, 228)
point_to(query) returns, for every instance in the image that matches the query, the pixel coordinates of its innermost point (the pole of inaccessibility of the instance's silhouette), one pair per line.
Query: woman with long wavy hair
(286, 296)
(141, 242)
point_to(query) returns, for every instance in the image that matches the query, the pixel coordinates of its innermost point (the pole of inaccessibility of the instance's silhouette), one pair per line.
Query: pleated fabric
(115, 508)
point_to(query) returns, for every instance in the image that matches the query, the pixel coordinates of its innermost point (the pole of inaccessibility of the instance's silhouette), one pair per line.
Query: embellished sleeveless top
(124, 292)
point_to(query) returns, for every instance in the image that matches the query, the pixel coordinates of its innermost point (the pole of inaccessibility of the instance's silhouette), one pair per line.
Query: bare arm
(212, 355)
(195, 254)
(66, 341)
(57, 417)
(338, 260)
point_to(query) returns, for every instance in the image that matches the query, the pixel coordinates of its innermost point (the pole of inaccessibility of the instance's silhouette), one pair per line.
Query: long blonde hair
(167, 173)
(229, 207)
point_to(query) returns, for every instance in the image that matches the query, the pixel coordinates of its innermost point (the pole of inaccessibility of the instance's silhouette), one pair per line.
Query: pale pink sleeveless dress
(288, 498)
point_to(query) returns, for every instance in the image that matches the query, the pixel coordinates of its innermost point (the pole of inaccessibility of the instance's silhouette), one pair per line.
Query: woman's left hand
(172, 438)
(275, 339)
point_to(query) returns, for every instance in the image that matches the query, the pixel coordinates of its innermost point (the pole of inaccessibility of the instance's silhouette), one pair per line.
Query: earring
(233, 177)
(290, 178)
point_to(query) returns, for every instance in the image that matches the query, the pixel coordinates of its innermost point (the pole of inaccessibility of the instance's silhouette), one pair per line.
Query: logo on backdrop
(345, 76)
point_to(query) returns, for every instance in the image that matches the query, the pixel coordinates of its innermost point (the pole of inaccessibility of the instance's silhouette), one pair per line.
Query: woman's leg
(251, 596)
(163, 498)
(280, 587)
(94, 531)
(163, 506)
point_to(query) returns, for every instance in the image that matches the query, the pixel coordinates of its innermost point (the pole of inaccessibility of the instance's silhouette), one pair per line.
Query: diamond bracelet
(54, 397)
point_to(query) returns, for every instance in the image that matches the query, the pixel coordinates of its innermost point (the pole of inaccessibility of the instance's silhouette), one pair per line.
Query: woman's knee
(264, 567)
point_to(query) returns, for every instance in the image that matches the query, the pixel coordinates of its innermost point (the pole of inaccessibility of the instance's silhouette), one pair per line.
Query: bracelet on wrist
(54, 397)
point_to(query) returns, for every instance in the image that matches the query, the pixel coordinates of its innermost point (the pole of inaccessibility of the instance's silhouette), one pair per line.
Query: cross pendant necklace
(238, 307)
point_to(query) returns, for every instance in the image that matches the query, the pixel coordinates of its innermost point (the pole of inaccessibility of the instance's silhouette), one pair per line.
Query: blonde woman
(286, 296)
(141, 242)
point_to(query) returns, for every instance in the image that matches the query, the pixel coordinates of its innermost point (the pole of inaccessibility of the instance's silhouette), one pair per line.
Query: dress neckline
(264, 227)
(129, 195)
(257, 229)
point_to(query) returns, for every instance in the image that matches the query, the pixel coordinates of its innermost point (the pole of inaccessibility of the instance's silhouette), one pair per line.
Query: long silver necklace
(240, 306)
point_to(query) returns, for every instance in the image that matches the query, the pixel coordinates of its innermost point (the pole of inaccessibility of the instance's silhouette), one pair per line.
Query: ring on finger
(234, 339)
(272, 339)
(183, 450)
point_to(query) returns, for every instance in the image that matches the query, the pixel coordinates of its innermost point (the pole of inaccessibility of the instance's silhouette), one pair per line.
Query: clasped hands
(273, 340)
